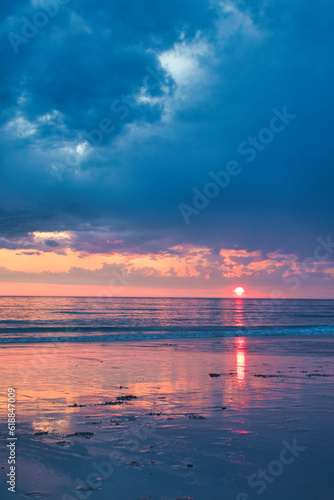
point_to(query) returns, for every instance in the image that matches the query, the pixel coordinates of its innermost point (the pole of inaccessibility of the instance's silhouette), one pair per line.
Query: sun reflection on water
(239, 313)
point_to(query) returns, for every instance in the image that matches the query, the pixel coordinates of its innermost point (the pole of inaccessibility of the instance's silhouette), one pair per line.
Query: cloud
(112, 115)
(52, 243)
(177, 268)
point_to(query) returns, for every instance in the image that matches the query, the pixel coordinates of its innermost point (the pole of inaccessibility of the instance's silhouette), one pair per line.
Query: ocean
(89, 319)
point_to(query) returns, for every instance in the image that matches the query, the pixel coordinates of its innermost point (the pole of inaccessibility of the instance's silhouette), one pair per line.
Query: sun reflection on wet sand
(240, 358)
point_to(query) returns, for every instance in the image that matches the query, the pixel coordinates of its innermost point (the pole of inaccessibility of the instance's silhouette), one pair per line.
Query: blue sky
(112, 114)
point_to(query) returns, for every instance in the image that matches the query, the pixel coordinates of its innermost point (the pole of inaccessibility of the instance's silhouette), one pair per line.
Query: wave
(126, 334)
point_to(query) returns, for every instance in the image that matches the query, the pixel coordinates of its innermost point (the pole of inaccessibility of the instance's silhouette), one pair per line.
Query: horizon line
(159, 298)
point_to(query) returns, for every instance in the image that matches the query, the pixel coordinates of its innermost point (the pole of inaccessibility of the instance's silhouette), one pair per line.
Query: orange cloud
(183, 270)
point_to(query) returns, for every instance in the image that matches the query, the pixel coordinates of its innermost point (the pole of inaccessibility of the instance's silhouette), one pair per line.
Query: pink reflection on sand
(240, 358)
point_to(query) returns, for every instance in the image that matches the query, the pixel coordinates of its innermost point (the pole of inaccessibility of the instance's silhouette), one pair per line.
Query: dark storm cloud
(52, 243)
(241, 61)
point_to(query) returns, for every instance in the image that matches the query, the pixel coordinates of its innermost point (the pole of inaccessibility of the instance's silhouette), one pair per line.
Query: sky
(167, 148)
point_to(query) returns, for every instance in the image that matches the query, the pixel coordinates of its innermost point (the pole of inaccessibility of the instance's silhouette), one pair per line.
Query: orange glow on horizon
(28, 289)
(186, 270)
(99, 291)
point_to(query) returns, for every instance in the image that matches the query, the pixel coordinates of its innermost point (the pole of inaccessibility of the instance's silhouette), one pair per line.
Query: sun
(239, 291)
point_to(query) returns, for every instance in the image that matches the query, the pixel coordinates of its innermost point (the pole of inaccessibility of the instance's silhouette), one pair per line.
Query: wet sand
(234, 419)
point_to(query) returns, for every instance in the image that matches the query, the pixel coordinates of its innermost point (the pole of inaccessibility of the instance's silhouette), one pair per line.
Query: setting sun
(239, 291)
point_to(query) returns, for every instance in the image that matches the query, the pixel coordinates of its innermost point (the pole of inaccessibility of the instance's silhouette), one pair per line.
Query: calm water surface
(59, 319)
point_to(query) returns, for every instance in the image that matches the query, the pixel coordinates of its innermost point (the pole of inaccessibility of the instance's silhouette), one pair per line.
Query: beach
(222, 418)
(166, 250)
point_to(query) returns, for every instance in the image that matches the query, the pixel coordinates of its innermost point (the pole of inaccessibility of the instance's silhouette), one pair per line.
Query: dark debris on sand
(86, 435)
(111, 403)
(120, 400)
(87, 488)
